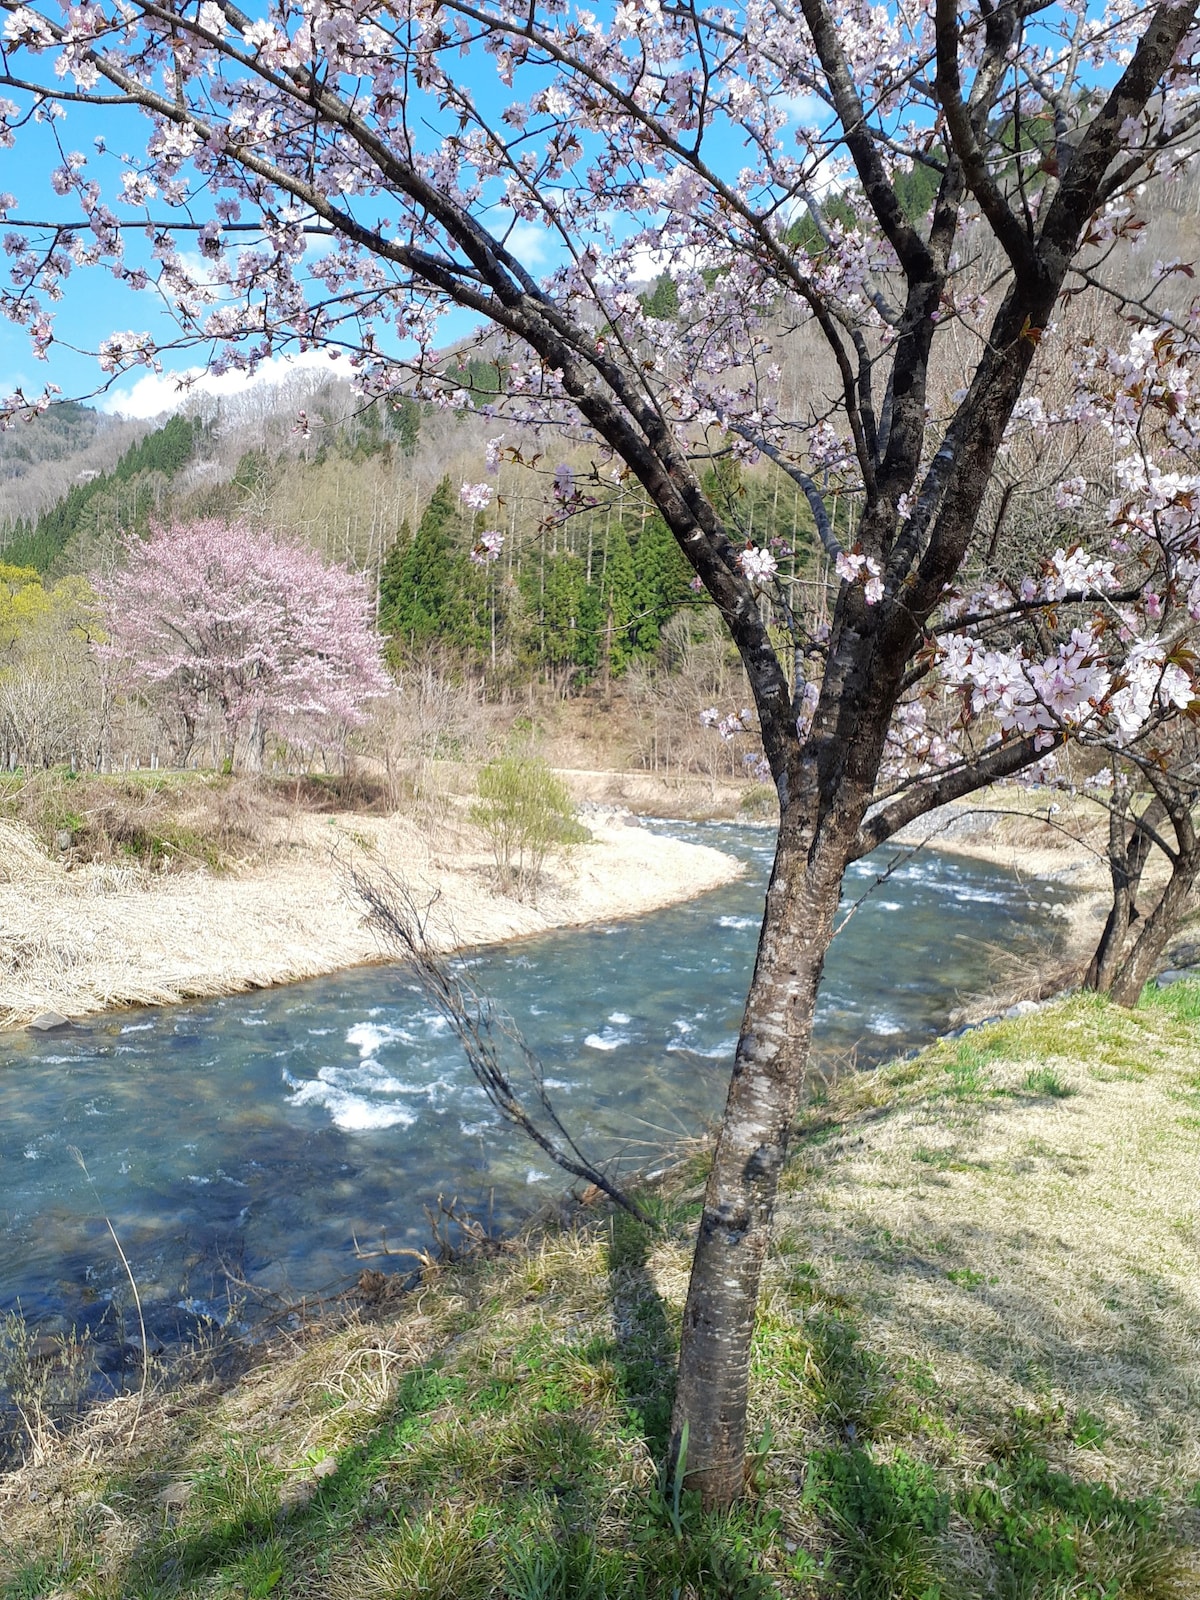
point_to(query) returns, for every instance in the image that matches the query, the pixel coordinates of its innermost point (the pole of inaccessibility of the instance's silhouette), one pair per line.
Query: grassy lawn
(977, 1374)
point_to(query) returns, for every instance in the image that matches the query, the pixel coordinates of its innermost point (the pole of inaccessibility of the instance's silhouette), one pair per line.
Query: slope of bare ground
(78, 937)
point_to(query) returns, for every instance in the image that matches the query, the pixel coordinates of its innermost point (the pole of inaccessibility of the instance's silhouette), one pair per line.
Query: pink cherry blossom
(216, 620)
(759, 566)
(476, 496)
(487, 548)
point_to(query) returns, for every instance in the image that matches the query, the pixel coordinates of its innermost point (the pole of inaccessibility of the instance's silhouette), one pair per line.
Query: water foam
(476, 1130)
(983, 897)
(367, 1037)
(351, 1112)
(606, 1040)
(718, 1052)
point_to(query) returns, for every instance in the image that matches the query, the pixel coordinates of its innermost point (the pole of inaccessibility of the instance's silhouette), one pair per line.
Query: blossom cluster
(476, 496)
(1075, 687)
(758, 566)
(729, 725)
(487, 548)
(854, 567)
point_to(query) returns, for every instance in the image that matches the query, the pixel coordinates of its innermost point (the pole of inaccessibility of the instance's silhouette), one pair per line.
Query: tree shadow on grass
(1060, 1427)
(645, 1339)
(514, 1464)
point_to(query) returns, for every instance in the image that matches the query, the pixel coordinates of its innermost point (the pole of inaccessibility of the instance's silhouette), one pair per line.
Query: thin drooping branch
(485, 1033)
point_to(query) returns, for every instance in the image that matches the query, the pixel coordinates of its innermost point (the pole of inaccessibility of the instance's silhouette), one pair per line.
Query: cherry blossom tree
(880, 224)
(211, 620)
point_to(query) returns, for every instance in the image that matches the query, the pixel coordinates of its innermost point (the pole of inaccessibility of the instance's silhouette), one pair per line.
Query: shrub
(526, 812)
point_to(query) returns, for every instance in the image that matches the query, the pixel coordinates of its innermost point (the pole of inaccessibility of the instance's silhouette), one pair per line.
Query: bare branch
(482, 1029)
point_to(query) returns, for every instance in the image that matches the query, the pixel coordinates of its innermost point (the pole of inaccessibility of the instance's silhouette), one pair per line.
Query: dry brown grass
(1019, 1217)
(81, 936)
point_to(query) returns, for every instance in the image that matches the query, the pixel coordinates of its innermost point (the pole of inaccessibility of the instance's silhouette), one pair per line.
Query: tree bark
(1139, 965)
(769, 1069)
(1128, 852)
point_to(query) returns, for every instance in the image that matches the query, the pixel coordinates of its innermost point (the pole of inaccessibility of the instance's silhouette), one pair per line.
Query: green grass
(976, 1376)
(1178, 1000)
(1045, 1080)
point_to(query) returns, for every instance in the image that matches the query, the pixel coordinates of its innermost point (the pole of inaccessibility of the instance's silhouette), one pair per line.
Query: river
(279, 1139)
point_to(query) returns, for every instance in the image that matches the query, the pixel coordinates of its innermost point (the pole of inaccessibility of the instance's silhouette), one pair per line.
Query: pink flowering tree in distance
(900, 246)
(215, 621)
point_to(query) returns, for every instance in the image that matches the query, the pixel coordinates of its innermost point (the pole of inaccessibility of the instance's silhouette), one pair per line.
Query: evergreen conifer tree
(661, 584)
(420, 591)
(618, 583)
(559, 639)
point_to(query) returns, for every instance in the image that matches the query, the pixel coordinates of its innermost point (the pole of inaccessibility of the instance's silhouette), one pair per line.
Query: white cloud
(533, 245)
(805, 108)
(157, 392)
(647, 265)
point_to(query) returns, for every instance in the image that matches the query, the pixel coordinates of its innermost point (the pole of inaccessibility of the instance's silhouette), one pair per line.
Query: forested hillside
(580, 582)
(79, 532)
(40, 460)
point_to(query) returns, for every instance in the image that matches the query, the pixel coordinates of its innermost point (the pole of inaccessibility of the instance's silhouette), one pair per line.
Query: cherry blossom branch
(929, 793)
(1023, 607)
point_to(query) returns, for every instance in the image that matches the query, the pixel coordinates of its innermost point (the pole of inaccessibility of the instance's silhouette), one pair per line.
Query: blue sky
(95, 304)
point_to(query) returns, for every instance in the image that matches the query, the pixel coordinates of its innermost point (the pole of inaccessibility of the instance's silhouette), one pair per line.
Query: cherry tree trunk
(1140, 964)
(769, 1068)
(1128, 852)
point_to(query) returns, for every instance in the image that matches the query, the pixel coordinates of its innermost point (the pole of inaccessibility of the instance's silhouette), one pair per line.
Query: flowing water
(284, 1136)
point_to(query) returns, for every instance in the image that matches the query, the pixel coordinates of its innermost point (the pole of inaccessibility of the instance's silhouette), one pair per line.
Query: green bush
(526, 812)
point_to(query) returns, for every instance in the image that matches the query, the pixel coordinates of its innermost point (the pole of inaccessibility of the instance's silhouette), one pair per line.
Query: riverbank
(80, 937)
(242, 893)
(976, 1372)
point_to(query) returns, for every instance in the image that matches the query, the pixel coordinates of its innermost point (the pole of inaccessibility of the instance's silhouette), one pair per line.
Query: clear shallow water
(265, 1134)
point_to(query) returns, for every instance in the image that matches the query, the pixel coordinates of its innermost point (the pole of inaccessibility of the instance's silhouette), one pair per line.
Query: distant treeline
(40, 544)
(571, 596)
(581, 590)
